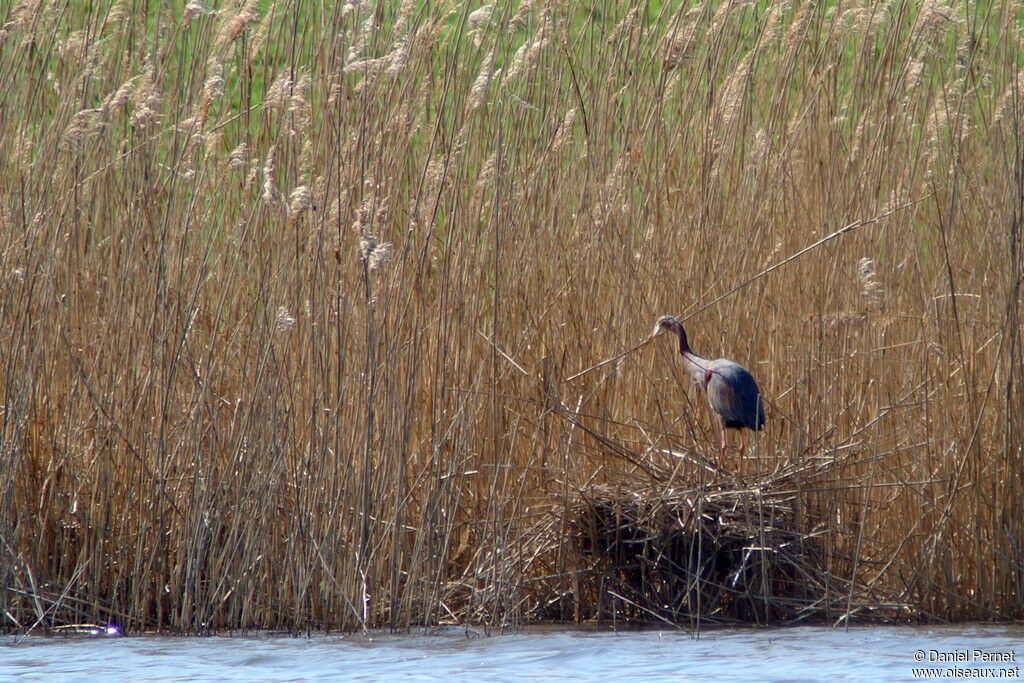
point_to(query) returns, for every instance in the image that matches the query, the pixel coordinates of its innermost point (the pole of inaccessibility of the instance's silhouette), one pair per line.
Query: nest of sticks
(724, 552)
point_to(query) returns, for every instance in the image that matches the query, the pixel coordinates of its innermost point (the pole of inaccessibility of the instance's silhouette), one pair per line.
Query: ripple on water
(794, 654)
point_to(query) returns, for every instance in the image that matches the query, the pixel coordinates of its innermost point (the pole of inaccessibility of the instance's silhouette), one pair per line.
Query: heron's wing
(722, 397)
(749, 397)
(733, 394)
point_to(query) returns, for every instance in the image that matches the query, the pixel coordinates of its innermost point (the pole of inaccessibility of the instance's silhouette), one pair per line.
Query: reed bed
(721, 551)
(295, 298)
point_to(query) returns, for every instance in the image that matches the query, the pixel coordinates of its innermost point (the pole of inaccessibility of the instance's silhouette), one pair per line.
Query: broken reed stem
(610, 360)
(749, 281)
(811, 247)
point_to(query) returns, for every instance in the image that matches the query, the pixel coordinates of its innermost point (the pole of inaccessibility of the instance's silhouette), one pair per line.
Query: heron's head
(667, 323)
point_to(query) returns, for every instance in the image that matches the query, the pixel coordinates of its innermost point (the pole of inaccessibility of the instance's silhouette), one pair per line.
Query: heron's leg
(743, 448)
(725, 444)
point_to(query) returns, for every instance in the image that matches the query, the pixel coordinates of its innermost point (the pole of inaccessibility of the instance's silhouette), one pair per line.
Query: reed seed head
(373, 252)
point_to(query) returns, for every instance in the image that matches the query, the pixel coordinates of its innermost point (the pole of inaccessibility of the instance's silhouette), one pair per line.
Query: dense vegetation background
(292, 295)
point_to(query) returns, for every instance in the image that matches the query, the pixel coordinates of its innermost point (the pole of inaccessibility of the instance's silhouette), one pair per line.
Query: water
(795, 654)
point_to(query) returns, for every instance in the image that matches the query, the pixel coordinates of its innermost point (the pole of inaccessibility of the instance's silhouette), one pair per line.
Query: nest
(718, 553)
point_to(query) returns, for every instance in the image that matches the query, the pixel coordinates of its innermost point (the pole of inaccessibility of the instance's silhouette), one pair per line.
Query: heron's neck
(694, 364)
(684, 345)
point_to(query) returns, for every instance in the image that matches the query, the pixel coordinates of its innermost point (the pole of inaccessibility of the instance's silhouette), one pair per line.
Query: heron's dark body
(745, 409)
